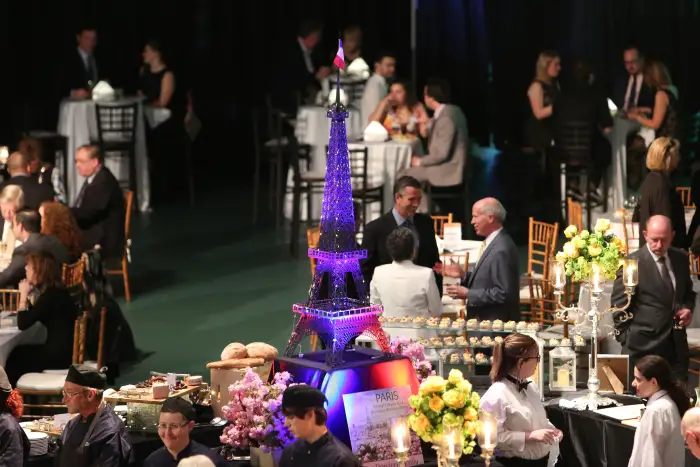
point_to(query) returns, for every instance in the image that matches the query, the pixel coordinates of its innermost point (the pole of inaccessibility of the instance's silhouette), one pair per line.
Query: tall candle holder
(452, 445)
(630, 268)
(488, 430)
(400, 439)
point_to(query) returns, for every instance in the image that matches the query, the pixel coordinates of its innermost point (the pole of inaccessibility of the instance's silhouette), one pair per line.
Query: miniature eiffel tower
(338, 307)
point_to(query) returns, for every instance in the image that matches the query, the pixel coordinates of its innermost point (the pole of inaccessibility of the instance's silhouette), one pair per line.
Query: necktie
(481, 250)
(632, 96)
(81, 194)
(91, 69)
(665, 276)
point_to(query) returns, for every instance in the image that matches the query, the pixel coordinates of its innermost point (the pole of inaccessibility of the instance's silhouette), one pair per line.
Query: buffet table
(77, 121)
(593, 440)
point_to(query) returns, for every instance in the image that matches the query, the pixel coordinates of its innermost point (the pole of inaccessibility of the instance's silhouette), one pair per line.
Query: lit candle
(488, 435)
(596, 278)
(562, 377)
(630, 275)
(4, 154)
(557, 268)
(399, 438)
(451, 446)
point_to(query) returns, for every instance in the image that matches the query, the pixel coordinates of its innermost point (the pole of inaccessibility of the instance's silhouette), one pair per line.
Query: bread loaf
(236, 363)
(261, 350)
(234, 350)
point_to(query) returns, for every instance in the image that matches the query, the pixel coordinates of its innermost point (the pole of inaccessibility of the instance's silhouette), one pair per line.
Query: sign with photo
(369, 417)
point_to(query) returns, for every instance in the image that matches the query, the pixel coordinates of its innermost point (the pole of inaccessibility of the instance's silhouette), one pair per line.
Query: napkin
(440, 244)
(343, 97)
(102, 91)
(358, 67)
(375, 132)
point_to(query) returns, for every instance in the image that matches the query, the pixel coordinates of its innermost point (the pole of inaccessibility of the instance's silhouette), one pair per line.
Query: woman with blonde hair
(665, 115)
(541, 94)
(57, 220)
(658, 193)
(11, 201)
(525, 435)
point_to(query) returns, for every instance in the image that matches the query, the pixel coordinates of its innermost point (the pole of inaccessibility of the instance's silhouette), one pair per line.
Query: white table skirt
(618, 168)
(11, 337)
(78, 122)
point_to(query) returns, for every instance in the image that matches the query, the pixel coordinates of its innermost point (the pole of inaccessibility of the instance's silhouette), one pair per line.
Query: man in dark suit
(80, 70)
(581, 103)
(35, 193)
(407, 196)
(492, 288)
(300, 75)
(662, 303)
(99, 208)
(27, 227)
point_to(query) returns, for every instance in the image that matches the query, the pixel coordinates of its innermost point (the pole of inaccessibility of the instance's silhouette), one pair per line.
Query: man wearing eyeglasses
(690, 427)
(174, 427)
(96, 436)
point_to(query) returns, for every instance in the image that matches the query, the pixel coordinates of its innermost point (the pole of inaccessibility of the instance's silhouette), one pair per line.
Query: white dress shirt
(636, 81)
(658, 441)
(517, 413)
(668, 265)
(405, 289)
(375, 91)
(6, 229)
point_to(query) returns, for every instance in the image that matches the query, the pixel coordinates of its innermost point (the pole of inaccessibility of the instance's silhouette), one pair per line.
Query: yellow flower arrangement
(585, 248)
(445, 402)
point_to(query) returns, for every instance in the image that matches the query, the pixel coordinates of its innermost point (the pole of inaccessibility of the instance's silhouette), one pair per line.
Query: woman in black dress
(166, 141)
(541, 94)
(658, 194)
(43, 299)
(14, 445)
(665, 116)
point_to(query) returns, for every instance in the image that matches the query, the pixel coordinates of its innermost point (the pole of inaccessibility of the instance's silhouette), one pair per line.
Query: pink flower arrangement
(255, 413)
(414, 351)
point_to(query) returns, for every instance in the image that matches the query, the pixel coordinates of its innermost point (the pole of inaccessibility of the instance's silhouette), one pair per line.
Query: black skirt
(520, 462)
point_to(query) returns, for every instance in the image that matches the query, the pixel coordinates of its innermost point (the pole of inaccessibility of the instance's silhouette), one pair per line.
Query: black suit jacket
(35, 193)
(659, 197)
(494, 283)
(651, 331)
(581, 105)
(294, 81)
(101, 215)
(74, 74)
(646, 94)
(374, 241)
(10, 277)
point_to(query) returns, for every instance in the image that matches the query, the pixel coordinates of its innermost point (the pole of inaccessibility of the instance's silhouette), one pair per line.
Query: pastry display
(472, 324)
(498, 340)
(444, 354)
(554, 342)
(234, 350)
(193, 380)
(406, 320)
(487, 341)
(481, 359)
(521, 326)
(497, 325)
(159, 379)
(461, 340)
(432, 321)
(449, 340)
(566, 341)
(458, 323)
(485, 325)
(160, 390)
(423, 341)
(392, 319)
(454, 358)
(445, 323)
(491, 359)
(578, 340)
(381, 319)
(419, 320)
(474, 341)
(533, 326)
(261, 350)
(467, 357)
(509, 326)
(435, 342)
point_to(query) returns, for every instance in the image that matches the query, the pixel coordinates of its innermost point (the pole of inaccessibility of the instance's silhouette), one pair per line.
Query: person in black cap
(14, 445)
(174, 427)
(96, 437)
(315, 445)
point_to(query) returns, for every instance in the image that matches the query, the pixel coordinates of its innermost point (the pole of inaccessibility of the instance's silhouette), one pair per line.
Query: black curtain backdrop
(225, 51)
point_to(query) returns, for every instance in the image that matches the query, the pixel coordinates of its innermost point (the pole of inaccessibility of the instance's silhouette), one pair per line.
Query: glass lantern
(562, 369)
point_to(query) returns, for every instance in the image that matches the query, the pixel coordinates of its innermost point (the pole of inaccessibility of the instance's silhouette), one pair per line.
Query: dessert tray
(142, 393)
(459, 324)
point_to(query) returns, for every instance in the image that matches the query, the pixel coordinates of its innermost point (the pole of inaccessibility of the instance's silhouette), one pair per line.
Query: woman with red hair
(57, 220)
(14, 445)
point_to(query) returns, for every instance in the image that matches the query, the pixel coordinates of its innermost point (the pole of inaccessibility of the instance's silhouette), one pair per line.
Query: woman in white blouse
(658, 441)
(403, 288)
(526, 438)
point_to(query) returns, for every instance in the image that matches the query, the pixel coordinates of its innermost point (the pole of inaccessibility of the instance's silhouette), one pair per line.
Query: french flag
(339, 59)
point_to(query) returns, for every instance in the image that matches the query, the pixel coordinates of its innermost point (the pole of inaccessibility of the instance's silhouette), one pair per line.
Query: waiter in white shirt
(658, 441)
(377, 86)
(526, 438)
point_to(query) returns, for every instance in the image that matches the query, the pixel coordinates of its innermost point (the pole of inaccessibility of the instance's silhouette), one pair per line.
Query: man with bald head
(690, 428)
(492, 286)
(662, 303)
(35, 193)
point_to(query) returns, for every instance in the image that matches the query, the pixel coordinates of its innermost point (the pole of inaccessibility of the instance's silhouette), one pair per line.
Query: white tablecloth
(11, 337)
(618, 168)
(78, 122)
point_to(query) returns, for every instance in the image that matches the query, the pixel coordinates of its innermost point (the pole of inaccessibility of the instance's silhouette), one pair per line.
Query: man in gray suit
(492, 287)
(662, 303)
(27, 227)
(448, 140)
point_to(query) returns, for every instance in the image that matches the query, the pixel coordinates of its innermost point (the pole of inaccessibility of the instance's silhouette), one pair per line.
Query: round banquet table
(77, 121)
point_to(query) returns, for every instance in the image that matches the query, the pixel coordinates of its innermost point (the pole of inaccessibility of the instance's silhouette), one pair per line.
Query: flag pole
(337, 83)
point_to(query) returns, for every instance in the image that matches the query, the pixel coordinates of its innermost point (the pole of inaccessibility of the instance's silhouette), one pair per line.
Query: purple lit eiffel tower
(338, 307)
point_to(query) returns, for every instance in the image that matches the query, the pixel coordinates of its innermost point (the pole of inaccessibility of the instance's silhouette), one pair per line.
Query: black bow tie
(522, 385)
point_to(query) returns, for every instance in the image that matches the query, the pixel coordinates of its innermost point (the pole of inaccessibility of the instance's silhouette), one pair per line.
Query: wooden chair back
(542, 241)
(462, 260)
(694, 264)
(126, 257)
(79, 338)
(574, 211)
(544, 303)
(128, 204)
(101, 338)
(630, 230)
(439, 224)
(684, 191)
(10, 299)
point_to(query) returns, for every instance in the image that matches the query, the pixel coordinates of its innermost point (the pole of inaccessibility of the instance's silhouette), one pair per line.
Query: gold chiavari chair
(684, 191)
(462, 260)
(542, 243)
(574, 213)
(126, 256)
(10, 299)
(439, 224)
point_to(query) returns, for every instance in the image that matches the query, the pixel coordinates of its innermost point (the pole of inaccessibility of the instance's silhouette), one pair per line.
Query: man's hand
(323, 72)
(79, 93)
(451, 270)
(415, 161)
(684, 316)
(457, 291)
